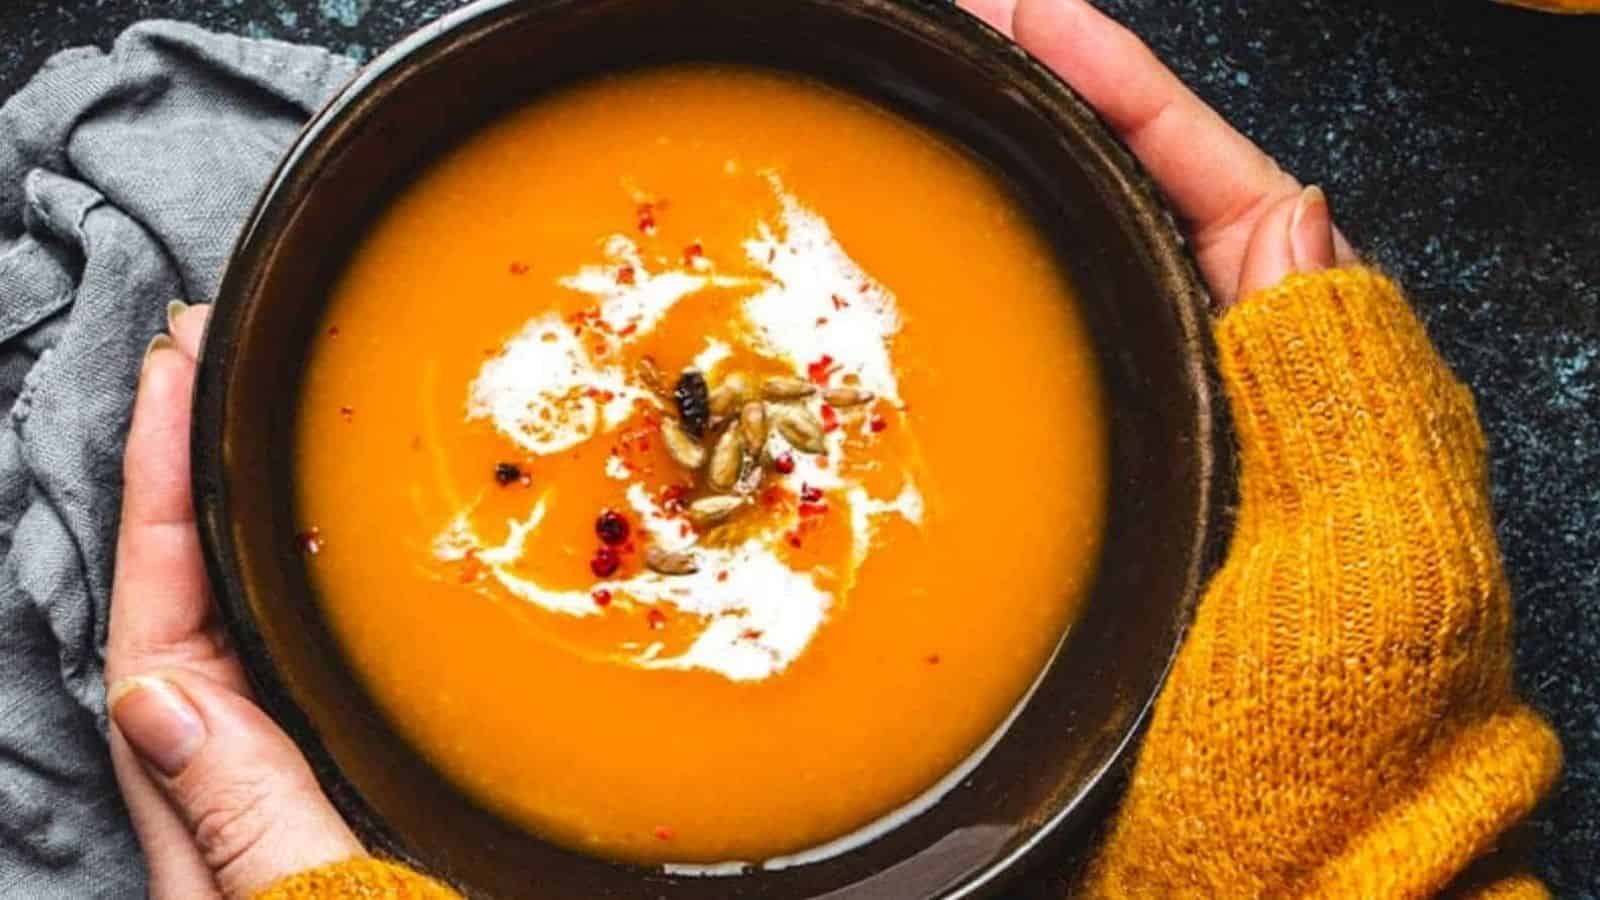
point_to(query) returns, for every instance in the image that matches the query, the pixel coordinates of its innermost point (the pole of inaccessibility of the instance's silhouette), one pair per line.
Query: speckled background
(1460, 144)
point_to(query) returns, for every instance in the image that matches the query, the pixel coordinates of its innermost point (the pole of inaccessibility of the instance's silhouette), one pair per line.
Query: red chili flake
(839, 302)
(347, 413)
(625, 274)
(683, 529)
(612, 527)
(647, 218)
(656, 618)
(309, 541)
(751, 634)
(664, 833)
(773, 496)
(723, 575)
(830, 418)
(471, 568)
(784, 464)
(821, 321)
(794, 539)
(820, 370)
(601, 598)
(878, 423)
(505, 473)
(628, 329)
(604, 396)
(674, 498)
(692, 254)
(604, 563)
(809, 494)
(772, 254)
(813, 509)
(519, 268)
(333, 331)
(933, 659)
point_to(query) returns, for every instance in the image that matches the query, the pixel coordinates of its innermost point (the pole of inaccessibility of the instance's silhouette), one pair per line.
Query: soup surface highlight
(653, 646)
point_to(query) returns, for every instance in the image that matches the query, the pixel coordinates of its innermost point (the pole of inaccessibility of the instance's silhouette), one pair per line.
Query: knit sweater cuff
(366, 878)
(1330, 369)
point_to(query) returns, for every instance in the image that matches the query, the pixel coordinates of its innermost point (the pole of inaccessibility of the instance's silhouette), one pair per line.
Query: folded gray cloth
(124, 178)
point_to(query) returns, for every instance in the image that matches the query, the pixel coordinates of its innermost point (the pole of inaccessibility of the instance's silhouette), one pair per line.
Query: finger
(995, 12)
(161, 612)
(173, 863)
(1311, 234)
(1268, 257)
(187, 325)
(1343, 253)
(1213, 174)
(1295, 235)
(252, 805)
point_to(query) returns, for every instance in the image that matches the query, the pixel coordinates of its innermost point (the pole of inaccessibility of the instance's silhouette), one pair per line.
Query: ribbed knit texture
(358, 879)
(1340, 721)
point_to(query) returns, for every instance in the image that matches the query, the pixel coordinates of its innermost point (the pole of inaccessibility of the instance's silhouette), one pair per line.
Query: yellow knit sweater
(1340, 721)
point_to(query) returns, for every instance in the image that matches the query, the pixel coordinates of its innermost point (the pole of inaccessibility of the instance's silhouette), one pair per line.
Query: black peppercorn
(694, 402)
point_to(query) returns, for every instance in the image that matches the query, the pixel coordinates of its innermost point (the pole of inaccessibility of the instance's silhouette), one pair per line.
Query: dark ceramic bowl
(1049, 772)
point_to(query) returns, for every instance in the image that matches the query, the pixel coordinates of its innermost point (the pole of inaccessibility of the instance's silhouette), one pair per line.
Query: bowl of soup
(710, 449)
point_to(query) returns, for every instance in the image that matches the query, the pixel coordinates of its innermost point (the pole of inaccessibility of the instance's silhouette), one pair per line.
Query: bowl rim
(1169, 257)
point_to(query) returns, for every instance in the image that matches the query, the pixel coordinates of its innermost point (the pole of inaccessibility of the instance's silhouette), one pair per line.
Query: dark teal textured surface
(1460, 145)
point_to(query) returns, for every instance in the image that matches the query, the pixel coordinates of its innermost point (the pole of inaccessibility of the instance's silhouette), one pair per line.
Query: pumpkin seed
(684, 450)
(714, 509)
(846, 396)
(800, 428)
(726, 458)
(733, 390)
(670, 562)
(781, 388)
(749, 477)
(753, 425)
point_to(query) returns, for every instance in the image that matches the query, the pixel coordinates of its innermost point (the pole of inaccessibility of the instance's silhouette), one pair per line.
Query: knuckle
(230, 821)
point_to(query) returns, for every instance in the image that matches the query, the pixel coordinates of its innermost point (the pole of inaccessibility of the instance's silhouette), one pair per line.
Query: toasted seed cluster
(720, 432)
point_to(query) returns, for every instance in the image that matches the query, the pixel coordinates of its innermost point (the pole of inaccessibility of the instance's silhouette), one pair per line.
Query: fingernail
(162, 341)
(175, 308)
(1309, 197)
(158, 721)
(1311, 232)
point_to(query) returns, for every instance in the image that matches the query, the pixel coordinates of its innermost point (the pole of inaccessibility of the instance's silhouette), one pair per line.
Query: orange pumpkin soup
(699, 463)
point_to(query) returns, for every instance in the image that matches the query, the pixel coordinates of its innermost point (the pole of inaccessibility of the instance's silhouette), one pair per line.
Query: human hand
(221, 799)
(1340, 720)
(1250, 222)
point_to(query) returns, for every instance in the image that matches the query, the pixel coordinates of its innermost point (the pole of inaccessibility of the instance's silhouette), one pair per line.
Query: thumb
(1296, 234)
(251, 803)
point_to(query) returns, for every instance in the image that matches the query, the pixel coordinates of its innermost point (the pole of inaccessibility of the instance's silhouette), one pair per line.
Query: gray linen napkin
(124, 178)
